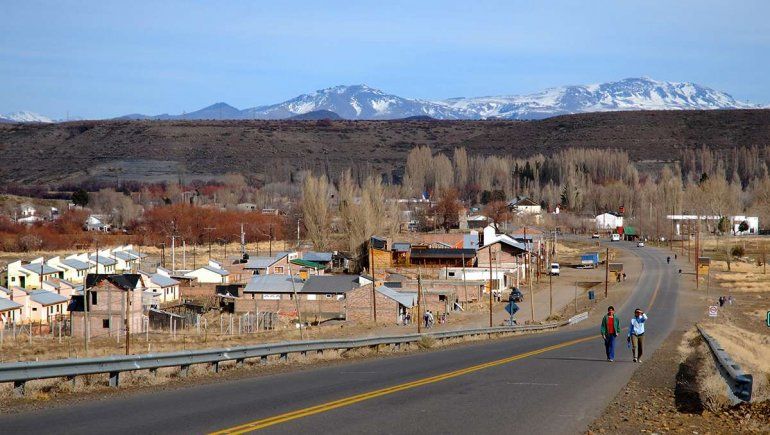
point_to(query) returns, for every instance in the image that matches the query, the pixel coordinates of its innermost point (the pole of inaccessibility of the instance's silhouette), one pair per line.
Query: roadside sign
(768, 318)
(713, 311)
(512, 308)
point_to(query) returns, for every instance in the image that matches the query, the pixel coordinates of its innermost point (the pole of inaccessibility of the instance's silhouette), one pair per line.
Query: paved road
(509, 385)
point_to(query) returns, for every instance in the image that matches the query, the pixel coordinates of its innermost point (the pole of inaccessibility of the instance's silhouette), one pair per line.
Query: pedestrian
(668, 260)
(426, 318)
(610, 329)
(636, 334)
(431, 319)
(730, 299)
(721, 301)
(624, 276)
(675, 256)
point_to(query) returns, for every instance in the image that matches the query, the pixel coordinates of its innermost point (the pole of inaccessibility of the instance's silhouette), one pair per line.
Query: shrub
(738, 251)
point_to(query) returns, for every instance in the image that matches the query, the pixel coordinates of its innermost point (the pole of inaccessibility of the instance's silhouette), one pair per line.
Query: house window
(271, 297)
(451, 274)
(329, 295)
(34, 308)
(311, 297)
(13, 278)
(105, 323)
(93, 298)
(279, 269)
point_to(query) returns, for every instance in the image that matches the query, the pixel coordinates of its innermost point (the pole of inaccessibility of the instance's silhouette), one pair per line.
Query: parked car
(516, 295)
(640, 244)
(555, 269)
(615, 237)
(595, 236)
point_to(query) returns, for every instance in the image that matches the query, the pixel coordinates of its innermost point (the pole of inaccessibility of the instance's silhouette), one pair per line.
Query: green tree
(80, 198)
(743, 227)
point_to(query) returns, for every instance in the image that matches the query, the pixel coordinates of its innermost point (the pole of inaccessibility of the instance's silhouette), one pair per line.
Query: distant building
(608, 221)
(212, 273)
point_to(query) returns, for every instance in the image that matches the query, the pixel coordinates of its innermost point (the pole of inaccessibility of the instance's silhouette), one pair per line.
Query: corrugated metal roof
(75, 264)
(125, 256)
(45, 298)
(35, 268)
(331, 284)
(104, 260)
(7, 305)
(273, 284)
(163, 281)
(319, 257)
(216, 270)
(261, 262)
(405, 299)
(443, 253)
(5, 290)
(306, 263)
(402, 247)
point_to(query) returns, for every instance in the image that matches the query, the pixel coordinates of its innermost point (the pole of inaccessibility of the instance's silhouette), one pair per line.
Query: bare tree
(316, 211)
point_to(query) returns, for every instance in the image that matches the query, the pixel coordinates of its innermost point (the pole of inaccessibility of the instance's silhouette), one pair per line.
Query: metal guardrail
(740, 382)
(21, 372)
(578, 318)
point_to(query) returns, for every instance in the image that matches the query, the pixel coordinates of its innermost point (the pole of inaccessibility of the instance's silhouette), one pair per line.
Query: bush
(738, 251)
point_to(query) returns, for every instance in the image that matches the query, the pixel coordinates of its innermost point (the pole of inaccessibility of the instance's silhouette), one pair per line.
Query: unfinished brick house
(107, 299)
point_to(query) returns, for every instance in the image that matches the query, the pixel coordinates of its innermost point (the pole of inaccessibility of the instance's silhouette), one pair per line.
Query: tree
(316, 212)
(497, 212)
(743, 227)
(724, 225)
(448, 209)
(80, 198)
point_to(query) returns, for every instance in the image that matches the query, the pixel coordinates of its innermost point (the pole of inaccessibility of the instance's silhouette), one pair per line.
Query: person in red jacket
(610, 329)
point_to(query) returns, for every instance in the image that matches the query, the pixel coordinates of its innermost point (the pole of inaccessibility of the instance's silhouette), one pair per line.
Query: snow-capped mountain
(354, 102)
(628, 94)
(364, 102)
(25, 116)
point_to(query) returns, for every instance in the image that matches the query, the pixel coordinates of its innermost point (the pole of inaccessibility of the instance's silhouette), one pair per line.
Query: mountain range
(364, 102)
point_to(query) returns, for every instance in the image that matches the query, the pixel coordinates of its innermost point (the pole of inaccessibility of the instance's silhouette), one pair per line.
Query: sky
(103, 59)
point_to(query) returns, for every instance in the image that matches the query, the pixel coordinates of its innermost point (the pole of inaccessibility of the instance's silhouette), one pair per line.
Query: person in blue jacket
(636, 334)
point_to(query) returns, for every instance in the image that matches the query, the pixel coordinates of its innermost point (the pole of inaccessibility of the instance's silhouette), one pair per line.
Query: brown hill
(273, 150)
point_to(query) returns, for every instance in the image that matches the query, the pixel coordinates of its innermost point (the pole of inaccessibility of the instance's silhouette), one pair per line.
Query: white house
(163, 287)
(103, 262)
(94, 223)
(212, 273)
(524, 205)
(28, 275)
(75, 269)
(608, 221)
(735, 222)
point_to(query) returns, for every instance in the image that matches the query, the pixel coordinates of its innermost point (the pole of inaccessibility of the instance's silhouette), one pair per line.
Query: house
(441, 257)
(43, 305)
(10, 311)
(391, 305)
(324, 258)
(321, 297)
(466, 280)
(125, 261)
(28, 275)
(107, 298)
(211, 273)
(94, 223)
(29, 215)
(162, 287)
(75, 269)
(608, 221)
(473, 222)
(276, 264)
(247, 206)
(684, 223)
(104, 263)
(307, 268)
(524, 205)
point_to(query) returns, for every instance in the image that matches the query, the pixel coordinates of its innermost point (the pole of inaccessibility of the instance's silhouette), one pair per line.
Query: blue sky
(104, 59)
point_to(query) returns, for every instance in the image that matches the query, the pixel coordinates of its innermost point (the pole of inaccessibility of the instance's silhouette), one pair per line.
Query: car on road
(595, 236)
(640, 244)
(516, 295)
(555, 269)
(615, 237)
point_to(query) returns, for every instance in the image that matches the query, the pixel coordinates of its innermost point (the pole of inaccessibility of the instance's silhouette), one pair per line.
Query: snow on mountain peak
(25, 116)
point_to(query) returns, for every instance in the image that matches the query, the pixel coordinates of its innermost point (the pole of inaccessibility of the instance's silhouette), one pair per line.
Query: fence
(21, 372)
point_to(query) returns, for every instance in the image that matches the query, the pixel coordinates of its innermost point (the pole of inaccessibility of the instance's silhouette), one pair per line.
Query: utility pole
(296, 302)
(489, 251)
(173, 253)
(606, 272)
(465, 286)
(374, 290)
(184, 254)
(550, 293)
(419, 301)
(270, 239)
(697, 254)
(128, 323)
(243, 241)
(208, 236)
(531, 296)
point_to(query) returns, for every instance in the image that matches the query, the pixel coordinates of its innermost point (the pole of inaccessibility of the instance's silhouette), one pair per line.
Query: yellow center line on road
(324, 407)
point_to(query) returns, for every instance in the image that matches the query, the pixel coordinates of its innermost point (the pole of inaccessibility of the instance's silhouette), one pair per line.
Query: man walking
(610, 329)
(636, 334)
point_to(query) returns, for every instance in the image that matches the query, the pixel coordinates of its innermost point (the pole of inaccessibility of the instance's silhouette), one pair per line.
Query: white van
(615, 237)
(555, 269)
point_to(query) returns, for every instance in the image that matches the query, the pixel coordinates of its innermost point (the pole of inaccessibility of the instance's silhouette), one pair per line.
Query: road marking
(347, 401)
(655, 293)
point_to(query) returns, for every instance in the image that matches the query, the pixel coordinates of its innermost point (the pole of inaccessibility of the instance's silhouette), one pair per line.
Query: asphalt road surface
(544, 383)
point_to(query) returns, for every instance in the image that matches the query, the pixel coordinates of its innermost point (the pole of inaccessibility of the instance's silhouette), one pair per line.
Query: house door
(23, 281)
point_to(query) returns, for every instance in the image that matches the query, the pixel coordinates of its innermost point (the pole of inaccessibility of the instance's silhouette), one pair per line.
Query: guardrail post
(114, 379)
(239, 362)
(215, 367)
(263, 359)
(319, 352)
(284, 356)
(18, 388)
(71, 379)
(154, 372)
(184, 370)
